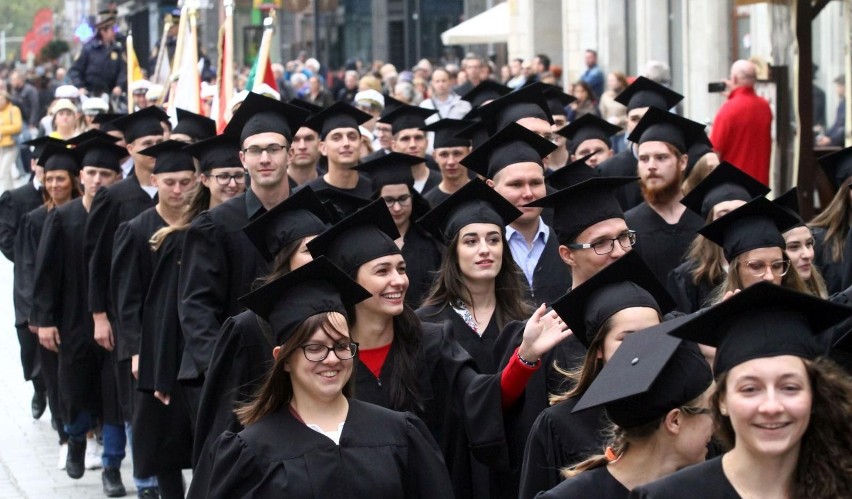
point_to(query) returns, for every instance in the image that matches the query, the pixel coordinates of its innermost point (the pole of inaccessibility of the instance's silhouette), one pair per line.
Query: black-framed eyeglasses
(757, 268)
(403, 200)
(605, 246)
(317, 352)
(271, 149)
(225, 179)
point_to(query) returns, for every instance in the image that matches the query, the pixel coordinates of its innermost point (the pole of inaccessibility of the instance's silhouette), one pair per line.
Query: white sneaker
(93, 454)
(63, 455)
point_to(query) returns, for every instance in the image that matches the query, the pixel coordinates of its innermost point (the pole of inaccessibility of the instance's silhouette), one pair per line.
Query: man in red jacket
(741, 132)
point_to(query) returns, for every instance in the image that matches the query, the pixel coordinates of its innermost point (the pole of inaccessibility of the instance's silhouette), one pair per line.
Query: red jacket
(742, 133)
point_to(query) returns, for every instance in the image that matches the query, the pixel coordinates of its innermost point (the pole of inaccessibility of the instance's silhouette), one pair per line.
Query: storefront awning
(491, 26)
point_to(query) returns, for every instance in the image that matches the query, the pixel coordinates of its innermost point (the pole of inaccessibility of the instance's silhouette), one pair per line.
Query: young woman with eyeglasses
(622, 298)
(305, 436)
(407, 365)
(392, 180)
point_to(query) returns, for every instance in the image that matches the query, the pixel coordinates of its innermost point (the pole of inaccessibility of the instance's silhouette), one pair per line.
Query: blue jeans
(114, 438)
(141, 483)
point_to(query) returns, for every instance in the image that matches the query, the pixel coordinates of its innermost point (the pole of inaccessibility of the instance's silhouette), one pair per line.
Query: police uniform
(100, 67)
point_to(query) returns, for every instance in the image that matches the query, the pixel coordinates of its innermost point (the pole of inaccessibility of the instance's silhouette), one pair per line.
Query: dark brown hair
(835, 220)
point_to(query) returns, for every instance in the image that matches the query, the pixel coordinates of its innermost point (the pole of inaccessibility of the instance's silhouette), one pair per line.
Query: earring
(723, 412)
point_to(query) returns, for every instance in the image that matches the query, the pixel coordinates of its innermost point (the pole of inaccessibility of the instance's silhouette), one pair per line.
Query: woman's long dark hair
(200, 201)
(449, 286)
(824, 468)
(405, 350)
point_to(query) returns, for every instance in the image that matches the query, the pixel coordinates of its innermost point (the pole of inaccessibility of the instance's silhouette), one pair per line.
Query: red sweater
(742, 133)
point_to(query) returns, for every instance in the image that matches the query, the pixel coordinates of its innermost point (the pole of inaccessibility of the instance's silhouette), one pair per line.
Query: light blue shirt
(527, 256)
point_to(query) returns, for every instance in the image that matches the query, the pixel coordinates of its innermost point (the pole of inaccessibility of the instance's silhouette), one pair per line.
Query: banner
(39, 35)
(225, 70)
(186, 94)
(134, 71)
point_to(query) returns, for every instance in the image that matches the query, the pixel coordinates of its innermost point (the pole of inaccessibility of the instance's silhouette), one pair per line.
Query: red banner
(40, 33)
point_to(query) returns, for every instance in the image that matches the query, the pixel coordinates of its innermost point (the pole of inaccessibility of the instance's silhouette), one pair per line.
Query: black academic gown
(706, 480)
(552, 276)
(455, 399)
(519, 419)
(24, 246)
(241, 358)
(831, 271)
(558, 439)
(688, 296)
(663, 246)
(431, 182)
(435, 196)
(623, 164)
(218, 266)
(362, 190)
(14, 204)
(422, 255)
(85, 374)
(593, 483)
(382, 454)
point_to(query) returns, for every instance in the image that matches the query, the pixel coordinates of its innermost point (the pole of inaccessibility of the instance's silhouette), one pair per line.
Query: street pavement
(29, 449)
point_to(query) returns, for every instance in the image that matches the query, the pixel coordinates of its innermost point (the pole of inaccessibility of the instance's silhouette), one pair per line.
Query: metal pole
(316, 28)
(3, 46)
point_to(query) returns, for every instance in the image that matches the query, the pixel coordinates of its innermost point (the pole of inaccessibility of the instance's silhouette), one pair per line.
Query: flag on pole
(261, 70)
(134, 71)
(186, 90)
(225, 69)
(162, 70)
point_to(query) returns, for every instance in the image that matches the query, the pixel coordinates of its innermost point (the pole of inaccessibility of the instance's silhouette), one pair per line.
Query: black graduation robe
(663, 246)
(218, 265)
(431, 182)
(593, 483)
(241, 359)
(362, 189)
(552, 276)
(435, 196)
(831, 271)
(706, 480)
(382, 454)
(623, 164)
(559, 439)
(26, 239)
(111, 206)
(688, 296)
(14, 204)
(422, 255)
(519, 418)
(481, 348)
(85, 375)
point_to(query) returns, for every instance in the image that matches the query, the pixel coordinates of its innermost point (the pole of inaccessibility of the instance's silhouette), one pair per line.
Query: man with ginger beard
(664, 226)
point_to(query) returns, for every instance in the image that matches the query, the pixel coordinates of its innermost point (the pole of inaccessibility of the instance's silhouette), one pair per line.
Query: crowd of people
(443, 282)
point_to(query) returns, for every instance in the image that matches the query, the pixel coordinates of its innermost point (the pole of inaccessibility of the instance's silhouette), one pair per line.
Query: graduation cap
(838, 166)
(557, 99)
(105, 120)
(582, 205)
(404, 117)
(314, 288)
(701, 147)
(171, 157)
(40, 143)
(648, 93)
(340, 204)
(511, 145)
(307, 106)
(763, 320)
(142, 123)
(58, 157)
(475, 202)
(91, 135)
(195, 125)
(487, 90)
(527, 102)
(572, 173)
(367, 234)
(663, 126)
(388, 169)
(445, 131)
(219, 151)
(756, 224)
(259, 114)
(725, 183)
(337, 115)
(475, 132)
(298, 216)
(585, 128)
(789, 202)
(650, 374)
(390, 105)
(100, 153)
(625, 283)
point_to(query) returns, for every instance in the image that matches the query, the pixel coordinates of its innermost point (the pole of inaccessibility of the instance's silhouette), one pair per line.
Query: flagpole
(228, 58)
(128, 62)
(265, 44)
(157, 78)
